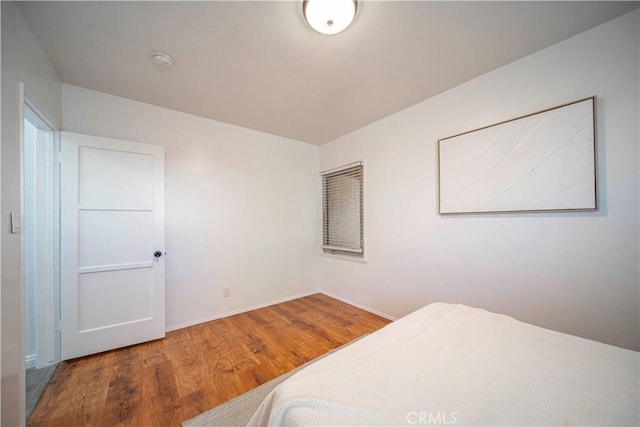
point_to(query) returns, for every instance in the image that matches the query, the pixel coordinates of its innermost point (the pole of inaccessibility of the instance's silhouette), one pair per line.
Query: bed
(449, 364)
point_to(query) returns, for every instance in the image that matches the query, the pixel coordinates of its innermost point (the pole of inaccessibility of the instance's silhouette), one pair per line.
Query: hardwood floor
(165, 382)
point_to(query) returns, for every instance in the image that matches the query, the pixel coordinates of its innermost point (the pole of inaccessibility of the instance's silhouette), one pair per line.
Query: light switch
(15, 222)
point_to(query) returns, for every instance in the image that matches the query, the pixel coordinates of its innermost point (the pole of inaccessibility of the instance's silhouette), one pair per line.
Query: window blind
(342, 207)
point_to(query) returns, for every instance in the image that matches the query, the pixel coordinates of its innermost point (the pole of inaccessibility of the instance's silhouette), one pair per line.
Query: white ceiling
(258, 65)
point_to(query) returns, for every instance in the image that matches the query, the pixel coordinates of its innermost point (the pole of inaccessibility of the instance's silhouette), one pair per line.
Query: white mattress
(454, 365)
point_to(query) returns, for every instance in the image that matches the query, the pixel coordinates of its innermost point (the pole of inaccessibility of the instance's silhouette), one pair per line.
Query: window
(342, 210)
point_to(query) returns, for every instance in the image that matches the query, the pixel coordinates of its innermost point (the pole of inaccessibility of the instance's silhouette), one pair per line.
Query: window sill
(344, 258)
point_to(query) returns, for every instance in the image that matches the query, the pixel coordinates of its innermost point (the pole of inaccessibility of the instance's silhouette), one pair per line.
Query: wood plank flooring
(164, 382)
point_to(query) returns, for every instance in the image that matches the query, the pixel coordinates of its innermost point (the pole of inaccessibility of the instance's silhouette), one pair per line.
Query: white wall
(573, 272)
(22, 61)
(239, 213)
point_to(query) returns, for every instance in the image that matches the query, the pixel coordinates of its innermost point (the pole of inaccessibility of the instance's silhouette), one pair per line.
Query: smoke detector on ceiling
(162, 60)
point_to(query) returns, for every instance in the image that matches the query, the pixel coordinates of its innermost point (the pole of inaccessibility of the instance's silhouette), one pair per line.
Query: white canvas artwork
(541, 162)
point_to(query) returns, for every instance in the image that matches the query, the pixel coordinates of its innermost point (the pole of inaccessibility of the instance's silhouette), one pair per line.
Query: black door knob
(157, 254)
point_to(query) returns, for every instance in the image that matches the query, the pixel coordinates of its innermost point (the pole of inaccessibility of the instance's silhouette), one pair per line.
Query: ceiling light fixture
(329, 16)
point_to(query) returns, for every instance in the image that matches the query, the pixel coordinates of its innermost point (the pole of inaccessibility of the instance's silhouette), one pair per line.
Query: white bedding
(454, 365)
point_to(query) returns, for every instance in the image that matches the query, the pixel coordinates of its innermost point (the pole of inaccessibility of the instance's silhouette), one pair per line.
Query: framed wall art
(541, 162)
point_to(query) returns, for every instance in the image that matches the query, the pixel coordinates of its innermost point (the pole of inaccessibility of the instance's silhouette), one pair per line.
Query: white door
(112, 244)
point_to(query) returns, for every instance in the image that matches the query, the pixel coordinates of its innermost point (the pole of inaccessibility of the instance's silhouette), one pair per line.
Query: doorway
(41, 253)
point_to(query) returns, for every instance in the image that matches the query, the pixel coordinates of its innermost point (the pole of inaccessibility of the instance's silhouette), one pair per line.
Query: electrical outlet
(226, 292)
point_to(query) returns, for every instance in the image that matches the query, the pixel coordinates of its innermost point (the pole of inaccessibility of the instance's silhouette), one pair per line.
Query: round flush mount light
(162, 60)
(329, 16)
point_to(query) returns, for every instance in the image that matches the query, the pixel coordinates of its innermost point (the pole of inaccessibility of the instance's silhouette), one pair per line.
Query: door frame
(47, 331)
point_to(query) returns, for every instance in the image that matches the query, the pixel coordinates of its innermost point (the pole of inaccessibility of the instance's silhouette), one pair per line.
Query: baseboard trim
(30, 361)
(360, 306)
(239, 311)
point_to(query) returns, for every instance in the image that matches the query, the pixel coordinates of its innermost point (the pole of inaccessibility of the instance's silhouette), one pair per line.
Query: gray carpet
(37, 381)
(238, 411)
